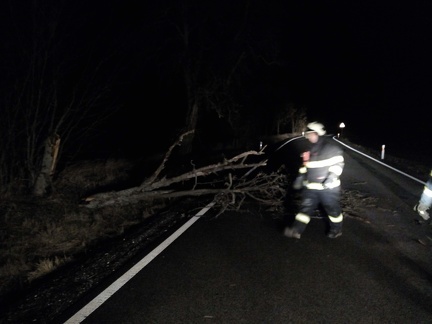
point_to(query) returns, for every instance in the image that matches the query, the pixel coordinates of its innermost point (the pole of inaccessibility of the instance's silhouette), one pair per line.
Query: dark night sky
(366, 63)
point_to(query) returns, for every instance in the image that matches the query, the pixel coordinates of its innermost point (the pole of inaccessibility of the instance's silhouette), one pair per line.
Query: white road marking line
(386, 165)
(116, 285)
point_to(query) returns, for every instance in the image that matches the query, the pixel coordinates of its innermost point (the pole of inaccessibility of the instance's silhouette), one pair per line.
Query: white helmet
(315, 127)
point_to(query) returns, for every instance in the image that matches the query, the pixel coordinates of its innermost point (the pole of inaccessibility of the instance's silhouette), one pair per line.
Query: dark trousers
(329, 199)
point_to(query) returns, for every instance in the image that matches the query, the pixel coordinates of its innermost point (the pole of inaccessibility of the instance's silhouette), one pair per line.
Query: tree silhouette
(52, 96)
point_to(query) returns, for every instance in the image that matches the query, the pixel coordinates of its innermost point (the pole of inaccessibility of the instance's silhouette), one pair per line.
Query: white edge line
(388, 166)
(116, 285)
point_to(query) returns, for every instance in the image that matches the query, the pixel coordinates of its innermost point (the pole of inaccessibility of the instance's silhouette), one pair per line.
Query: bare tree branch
(154, 176)
(230, 190)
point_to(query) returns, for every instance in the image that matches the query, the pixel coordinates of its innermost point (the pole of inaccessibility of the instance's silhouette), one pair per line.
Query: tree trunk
(191, 123)
(44, 179)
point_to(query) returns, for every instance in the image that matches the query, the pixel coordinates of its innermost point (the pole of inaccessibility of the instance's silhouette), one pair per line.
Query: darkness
(364, 63)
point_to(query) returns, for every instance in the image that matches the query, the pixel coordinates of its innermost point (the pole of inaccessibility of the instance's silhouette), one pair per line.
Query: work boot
(290, 232)
(334, 232)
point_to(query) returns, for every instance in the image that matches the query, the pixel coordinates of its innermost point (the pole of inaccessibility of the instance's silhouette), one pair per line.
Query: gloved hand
(298, 182)
(421, 209)
(328, 182)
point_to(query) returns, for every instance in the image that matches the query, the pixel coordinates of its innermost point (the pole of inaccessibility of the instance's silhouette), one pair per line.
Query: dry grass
(39, 235)
(45, 266)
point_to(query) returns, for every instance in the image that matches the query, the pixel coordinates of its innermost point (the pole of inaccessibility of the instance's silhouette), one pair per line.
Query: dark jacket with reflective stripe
(325, 162)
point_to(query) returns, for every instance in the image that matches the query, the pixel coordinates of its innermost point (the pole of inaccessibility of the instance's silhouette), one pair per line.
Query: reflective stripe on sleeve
(336, 169)
(335, 183)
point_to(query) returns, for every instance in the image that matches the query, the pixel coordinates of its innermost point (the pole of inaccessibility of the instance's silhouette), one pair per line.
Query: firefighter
(319, 179)
(425, 201)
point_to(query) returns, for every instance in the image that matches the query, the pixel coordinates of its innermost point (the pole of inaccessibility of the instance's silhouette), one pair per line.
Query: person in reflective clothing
(319, 179)
(425, 201)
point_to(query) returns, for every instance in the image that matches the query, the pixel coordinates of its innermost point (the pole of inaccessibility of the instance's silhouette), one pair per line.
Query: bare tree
(212, 65)
(298, 119)
(52, 99)
(291, 115)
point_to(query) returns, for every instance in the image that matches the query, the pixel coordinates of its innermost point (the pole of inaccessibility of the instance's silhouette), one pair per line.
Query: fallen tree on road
(230, 188)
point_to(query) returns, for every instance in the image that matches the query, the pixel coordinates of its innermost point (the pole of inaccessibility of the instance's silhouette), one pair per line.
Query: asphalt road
(239, 268)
